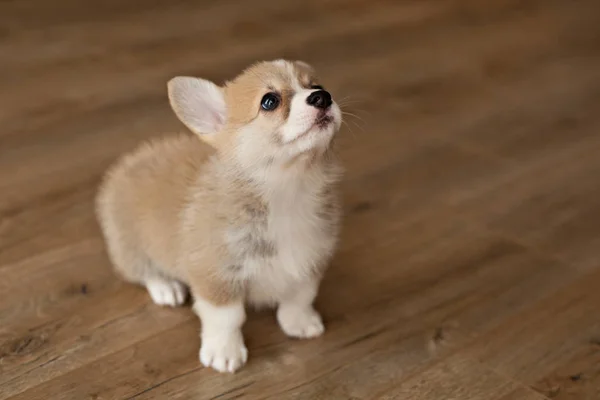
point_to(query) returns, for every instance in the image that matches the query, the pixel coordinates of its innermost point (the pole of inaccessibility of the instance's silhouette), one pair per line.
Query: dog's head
(272, 112)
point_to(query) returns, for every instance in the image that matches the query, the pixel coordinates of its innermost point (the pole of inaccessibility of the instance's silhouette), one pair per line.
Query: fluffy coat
(248, 214)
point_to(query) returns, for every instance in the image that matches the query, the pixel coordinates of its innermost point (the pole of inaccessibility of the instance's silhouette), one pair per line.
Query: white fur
(294, 198)
(296, 315)
(166, 292)
(301, 243)
(301, 323)
(299, 132)
(222, 342)
(281, 63)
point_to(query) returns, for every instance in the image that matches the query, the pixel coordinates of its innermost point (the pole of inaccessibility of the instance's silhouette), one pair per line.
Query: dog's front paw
(165, 292)
(300, 323)
(224, 353)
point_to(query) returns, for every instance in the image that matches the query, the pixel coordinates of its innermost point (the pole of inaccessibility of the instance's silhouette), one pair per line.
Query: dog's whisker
(348, 121)
(349, 128)
(349, 114)
(357, 125)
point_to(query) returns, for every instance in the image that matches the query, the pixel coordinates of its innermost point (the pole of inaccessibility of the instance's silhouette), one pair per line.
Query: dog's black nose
(319, 99)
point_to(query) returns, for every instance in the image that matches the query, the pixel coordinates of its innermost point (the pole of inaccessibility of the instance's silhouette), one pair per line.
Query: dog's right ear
(199, 104)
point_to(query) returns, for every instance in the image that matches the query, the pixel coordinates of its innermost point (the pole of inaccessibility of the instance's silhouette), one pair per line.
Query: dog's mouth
(323, 120)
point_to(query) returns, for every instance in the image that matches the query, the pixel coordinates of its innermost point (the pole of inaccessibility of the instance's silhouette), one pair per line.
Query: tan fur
(204, 212)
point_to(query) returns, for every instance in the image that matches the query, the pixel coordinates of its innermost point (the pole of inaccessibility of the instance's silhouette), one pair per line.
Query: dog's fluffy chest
(289, 241)
(298, 229)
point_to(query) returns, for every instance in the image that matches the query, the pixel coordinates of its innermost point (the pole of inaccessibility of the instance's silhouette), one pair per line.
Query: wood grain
(470, 255)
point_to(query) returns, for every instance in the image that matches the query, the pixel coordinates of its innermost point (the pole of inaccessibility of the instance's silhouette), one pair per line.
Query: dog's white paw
(303, 323)
(167, 292)
(224, 353)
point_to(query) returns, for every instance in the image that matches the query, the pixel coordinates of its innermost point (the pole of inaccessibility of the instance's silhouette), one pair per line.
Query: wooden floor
(470, 261)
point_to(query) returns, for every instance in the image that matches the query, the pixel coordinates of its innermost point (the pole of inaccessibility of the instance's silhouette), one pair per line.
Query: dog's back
(140, 202)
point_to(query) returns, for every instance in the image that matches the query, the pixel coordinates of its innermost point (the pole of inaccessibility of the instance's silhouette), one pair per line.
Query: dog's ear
(304, 65)
(199, 104)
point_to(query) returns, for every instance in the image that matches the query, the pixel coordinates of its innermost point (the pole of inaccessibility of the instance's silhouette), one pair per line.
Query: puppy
(243, 212)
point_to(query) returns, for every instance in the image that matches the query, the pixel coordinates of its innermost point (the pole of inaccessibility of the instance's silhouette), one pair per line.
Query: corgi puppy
(243, 212)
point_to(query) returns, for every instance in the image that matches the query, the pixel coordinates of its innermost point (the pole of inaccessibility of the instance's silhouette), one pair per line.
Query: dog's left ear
(199, 104)
(305, 67)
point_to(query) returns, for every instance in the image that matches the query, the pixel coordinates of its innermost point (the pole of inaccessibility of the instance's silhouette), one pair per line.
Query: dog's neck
(308, 172)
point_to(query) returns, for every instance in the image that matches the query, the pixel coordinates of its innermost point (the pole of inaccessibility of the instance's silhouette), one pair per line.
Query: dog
(243, 212)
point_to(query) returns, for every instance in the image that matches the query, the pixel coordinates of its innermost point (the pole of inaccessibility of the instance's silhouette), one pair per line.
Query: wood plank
(455, 378)
(523, 394)
(469, 258)
(564, 362)
(396, 332)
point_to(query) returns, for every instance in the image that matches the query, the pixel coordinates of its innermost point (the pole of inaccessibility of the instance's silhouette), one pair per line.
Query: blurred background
(469, 266)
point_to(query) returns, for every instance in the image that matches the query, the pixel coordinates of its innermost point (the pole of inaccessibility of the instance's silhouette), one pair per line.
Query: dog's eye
(269, 102)
(317, 87)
